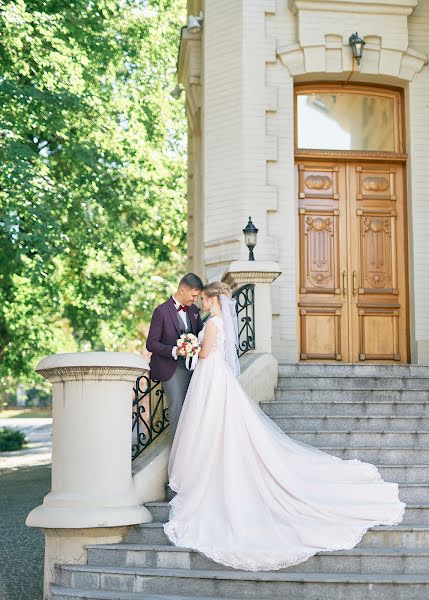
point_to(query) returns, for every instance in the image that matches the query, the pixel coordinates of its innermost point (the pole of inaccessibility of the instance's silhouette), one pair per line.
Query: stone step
(353, 383)
(329, 394)
(351, 370)
(413, 492)
(357, 560)
(263, 585)
(60, 592)
(355, 439)
(389, 455)
(329, 422)
(409, 473)
(403, 535)
(416, 512)
(336, 402)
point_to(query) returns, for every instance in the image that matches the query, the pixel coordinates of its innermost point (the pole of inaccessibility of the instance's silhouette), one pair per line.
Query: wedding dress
(250, 497)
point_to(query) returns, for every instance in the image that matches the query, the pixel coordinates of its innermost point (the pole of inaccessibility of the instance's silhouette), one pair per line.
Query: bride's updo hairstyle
(216, 288)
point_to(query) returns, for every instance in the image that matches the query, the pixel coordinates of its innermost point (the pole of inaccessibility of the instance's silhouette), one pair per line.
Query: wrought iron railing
(150, 410)
(150, 413)
(245, 306)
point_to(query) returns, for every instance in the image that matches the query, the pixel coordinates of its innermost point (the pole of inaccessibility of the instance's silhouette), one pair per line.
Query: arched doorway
(350, 166)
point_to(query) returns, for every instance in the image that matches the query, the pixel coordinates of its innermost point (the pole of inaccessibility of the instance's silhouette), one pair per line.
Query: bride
(248, 496)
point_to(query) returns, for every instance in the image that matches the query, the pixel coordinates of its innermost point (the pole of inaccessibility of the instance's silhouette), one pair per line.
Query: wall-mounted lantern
(357, 45)
(194, 23)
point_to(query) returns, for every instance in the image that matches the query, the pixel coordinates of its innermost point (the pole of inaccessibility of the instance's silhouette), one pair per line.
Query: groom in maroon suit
(169, 320)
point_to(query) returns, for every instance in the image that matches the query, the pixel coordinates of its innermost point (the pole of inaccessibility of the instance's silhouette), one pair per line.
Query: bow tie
(184, 308)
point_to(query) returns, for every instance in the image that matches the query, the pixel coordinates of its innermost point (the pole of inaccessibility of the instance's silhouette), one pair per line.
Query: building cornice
(393, 7)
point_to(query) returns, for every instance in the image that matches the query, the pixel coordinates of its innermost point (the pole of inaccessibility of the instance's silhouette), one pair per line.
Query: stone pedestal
(92, 483)
(92, 497)
(261, 274)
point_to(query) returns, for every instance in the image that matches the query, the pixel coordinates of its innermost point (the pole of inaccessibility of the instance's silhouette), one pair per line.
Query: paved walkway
(39, 448)
(21, 547)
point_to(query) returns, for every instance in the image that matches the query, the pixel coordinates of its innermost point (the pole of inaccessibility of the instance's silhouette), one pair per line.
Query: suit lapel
(174, 316)
(193, 318)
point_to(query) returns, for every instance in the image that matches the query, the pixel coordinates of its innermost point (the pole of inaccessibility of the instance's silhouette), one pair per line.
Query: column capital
(240, 272)
(104, 366)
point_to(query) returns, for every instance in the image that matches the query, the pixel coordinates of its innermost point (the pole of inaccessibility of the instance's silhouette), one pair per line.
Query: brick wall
(418, 185)
(248, 142)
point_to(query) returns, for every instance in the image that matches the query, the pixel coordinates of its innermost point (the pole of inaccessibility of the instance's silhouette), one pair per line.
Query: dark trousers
(175, 389)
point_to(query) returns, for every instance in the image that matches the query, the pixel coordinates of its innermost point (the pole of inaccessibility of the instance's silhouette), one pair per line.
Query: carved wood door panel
(323, 316)
(352, 297)
(378, 259)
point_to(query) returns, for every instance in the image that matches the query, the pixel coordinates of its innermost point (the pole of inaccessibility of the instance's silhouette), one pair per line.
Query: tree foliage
(92, 178)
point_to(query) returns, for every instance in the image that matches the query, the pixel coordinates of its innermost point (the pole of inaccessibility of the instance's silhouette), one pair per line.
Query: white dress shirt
(181, 313)
(183, 317)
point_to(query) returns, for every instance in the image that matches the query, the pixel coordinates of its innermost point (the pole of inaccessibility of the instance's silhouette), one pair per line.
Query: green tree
(92, 178)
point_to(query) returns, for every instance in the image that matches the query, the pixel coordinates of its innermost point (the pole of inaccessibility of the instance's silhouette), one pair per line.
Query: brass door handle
(344, 284)
(354, 283)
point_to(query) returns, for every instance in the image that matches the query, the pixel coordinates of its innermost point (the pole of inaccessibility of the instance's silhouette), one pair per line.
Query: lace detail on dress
(219, 344)
(352, 538)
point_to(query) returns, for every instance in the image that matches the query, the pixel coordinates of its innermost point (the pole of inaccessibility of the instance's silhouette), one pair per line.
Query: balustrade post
(92, 497)
(91, 441)
(261, 274)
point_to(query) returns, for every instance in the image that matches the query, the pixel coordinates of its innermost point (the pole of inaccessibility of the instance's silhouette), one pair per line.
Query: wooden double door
(352, 296)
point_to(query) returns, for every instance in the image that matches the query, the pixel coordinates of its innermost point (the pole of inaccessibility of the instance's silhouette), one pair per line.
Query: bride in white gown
(248, 496)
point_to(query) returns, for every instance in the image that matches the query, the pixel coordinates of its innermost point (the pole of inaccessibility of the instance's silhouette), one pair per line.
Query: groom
(169, 320)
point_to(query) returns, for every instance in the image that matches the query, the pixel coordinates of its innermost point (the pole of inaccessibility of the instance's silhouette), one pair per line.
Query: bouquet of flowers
(188, 345)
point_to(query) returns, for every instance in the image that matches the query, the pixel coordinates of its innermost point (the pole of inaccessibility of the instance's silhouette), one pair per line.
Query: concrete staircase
(372, 412)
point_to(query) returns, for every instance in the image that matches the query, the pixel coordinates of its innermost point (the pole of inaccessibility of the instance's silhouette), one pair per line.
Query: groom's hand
(174, 353)
(180, 352)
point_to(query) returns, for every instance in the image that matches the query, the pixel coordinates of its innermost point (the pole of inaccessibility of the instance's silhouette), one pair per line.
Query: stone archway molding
(325, 48)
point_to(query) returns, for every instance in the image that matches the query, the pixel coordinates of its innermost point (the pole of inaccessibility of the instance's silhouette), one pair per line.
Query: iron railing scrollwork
(150, 409)
(245, 307)
(150, 413)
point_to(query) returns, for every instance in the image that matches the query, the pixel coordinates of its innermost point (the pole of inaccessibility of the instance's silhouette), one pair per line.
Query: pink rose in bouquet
(188, 345)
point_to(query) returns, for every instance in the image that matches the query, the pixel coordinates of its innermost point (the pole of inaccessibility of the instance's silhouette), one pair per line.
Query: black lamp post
(250, 237)
(357, 45)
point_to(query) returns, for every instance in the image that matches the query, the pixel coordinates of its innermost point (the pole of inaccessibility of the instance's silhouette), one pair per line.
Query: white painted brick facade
(248, 166)
(418, 186)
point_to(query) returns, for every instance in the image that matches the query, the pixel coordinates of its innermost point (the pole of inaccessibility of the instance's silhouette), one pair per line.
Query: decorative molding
(237, 278)
(189, 73)
(300, 60)
(319, 224)
(377, 224)
(326, 49)
(390, 156)
(57, 374)
(318, 182)
(239, 272)
(97, 366)
(375, 183)
(393, 7)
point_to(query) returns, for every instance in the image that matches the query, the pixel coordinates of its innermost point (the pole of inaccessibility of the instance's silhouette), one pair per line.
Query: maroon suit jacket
(163, 333)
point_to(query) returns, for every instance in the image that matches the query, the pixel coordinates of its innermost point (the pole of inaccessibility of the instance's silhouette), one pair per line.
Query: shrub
(11, 439)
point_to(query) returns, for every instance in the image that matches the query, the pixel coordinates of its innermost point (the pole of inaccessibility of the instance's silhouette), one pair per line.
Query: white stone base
(78, 517)
(68, 546)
